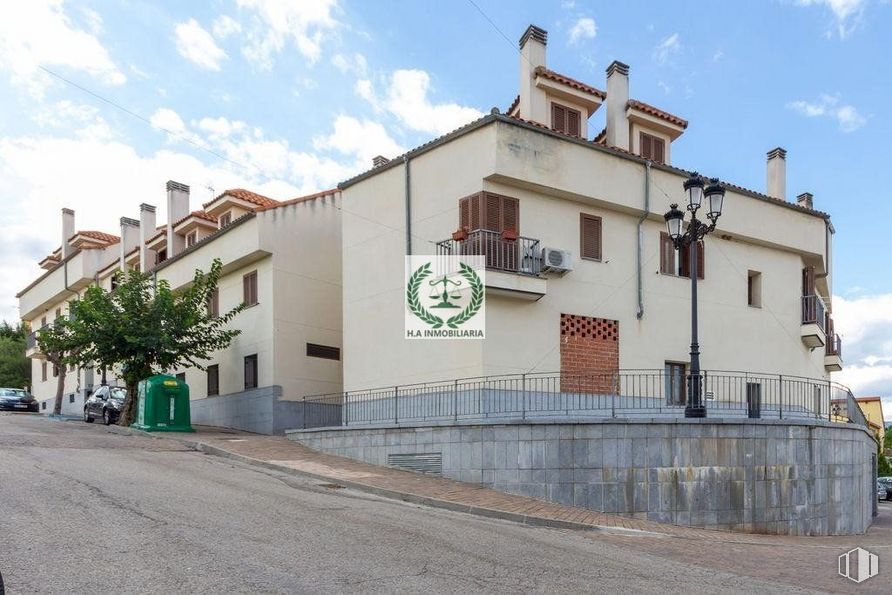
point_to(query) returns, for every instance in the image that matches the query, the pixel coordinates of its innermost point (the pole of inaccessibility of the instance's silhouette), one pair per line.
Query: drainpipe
(647, 164)
(408, 207)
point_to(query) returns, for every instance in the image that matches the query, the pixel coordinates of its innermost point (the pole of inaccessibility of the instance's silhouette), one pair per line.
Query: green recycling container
(163, 405)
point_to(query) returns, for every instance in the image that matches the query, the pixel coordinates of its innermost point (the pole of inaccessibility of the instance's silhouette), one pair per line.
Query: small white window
(191, 238)
(754, 289)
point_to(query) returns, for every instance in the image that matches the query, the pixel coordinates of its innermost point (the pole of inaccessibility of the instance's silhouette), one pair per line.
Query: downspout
(408, 207)
(640, 313)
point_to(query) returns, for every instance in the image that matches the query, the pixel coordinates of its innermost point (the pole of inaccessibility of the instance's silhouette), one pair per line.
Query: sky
(290, 97)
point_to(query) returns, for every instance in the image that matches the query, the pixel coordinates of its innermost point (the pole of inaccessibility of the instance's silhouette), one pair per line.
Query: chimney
(777, 173)
(129, 238)
(533, 105)
(67, 231)
(617, 102)
(147, 227)
(806, 200)
(379, 160)
(177, 208)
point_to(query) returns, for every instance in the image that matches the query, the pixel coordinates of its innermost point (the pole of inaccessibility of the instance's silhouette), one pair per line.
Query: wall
(754, 476)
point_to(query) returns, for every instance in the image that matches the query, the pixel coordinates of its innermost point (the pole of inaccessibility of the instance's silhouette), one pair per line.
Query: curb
(393, 494)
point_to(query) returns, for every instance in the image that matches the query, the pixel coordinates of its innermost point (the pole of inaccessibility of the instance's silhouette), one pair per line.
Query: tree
(15, 368)
(142, 328)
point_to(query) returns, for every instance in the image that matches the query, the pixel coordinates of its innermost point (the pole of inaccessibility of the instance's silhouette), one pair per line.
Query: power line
(500, 32)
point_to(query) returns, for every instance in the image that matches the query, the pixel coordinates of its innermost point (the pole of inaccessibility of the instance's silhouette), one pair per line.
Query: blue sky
(303, 94)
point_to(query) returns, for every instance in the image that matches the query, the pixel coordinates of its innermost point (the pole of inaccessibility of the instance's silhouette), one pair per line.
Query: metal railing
(31, 340)
(650, 393)
(814, 311)
(834, 345)
(515, 255)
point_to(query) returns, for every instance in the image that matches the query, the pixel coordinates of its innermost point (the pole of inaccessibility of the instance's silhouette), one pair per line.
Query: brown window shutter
(684, 266)
(572, 122)
(558, 118)
(659, 149)
(464, 213)
(808, 281)
(667, 254)
(646, 145)
(701, 260)
(590, 236)
(475, 211)
(510, 214)
(492, 213)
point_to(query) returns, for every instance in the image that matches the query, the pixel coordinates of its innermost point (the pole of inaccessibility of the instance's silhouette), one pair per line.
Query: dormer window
(191, 238)
(653, 147)
(162, 256)
(225, 219)
(565, 119)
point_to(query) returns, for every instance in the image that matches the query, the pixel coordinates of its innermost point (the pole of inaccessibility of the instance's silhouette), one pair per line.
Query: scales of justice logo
(445, 297)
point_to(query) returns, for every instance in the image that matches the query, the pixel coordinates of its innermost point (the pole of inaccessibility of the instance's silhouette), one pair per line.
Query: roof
(513, 106)
(99, 236)
(199, 215)
(246, 195)
(300, 199)
(578, 85)
(867, 399)
(657, 113)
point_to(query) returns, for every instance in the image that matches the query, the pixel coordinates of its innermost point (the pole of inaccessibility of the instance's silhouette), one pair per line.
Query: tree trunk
(128, 409)
(60, 387)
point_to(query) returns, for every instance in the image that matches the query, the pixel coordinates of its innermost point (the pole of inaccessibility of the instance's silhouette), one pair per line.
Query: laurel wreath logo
(414, 303)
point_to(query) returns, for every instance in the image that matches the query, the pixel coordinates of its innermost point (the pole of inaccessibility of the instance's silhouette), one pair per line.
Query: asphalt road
(84, 510)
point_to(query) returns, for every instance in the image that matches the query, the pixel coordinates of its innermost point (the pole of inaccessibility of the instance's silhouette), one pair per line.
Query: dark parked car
(104, 404)
(887, 483)
(17, 399)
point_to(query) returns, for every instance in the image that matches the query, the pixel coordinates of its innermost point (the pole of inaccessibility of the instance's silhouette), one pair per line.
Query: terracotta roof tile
(514, 105)
(300, 199)
(99, 236)
(246, 195)
(579, 86)
(657, 113)
(198, 215)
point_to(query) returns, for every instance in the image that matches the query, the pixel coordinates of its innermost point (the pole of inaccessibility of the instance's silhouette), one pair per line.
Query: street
(83, 509)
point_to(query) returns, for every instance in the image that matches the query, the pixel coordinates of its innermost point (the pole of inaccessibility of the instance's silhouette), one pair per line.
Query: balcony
(814, 317)
(513, 262)
(833, 351)
(31, 349)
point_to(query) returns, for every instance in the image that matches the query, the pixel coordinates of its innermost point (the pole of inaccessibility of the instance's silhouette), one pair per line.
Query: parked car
(887, 484)
(17, 399)
(105, 404)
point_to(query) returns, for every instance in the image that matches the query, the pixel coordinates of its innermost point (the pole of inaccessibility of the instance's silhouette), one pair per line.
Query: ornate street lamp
(688, 237)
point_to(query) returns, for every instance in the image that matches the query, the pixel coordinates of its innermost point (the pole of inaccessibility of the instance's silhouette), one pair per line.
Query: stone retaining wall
(796, 478)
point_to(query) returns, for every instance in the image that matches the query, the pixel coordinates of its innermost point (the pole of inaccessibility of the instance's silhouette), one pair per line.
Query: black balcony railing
(566, 397)
(814, 311)
(31, 340)
(834, 345)
(502, 252)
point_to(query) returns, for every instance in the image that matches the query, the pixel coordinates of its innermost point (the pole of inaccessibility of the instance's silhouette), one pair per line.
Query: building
(281, 258)
(872, 408)
(536, 177)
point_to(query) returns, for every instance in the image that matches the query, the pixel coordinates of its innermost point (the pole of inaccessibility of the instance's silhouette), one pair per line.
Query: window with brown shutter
(213, 380)
(214, 303)
(589, 236)
(678, 262)
(250, 371)
(564, 119)
(249, 288)
(808, 281)
(225, 219)
(652, 147)
(667, 255)
(43, 371)
(486, 210)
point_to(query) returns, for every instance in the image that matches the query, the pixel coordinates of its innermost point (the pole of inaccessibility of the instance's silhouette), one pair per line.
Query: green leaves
(414, 302)
(477, 291)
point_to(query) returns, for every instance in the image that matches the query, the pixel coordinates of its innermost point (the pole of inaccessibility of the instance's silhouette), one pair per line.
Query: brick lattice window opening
(589, 354)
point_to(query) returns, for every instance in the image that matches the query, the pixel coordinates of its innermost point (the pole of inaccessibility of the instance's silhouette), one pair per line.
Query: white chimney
(806, 200)
(617, 102)
(777, 173)
(67, 231)
(147, 227)
(533, 105)
(129, 239)
(177, 208)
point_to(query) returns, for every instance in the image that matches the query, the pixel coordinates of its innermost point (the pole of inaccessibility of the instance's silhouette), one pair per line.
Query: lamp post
(695, 232)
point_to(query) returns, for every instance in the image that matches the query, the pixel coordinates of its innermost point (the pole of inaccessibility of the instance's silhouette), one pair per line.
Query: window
(678, 262)
(225, 219)
(486, 210)
(676, 389)
(43, 405)
(58, 312)
(42, 321)
(182, 377)
(564, 119)
(652, 147)
(589, 236)
(43, 371)
(161, 257)
(213, 380)
(191, 238)
(754, 289)
(214, 303)
(249, 288)
(114, 282)
(250, 371)
(753, 400)
(55, 371)
(323, 351)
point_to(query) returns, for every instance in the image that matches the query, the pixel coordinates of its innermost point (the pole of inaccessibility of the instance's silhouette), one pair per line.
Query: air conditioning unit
(556, 261)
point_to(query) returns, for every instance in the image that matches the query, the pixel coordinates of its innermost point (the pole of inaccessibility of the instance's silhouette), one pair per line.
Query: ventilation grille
(423, 462)
(589, 328)
(323, 351)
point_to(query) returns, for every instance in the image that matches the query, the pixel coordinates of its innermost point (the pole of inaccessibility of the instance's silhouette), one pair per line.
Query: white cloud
(360, 139)
(168, 120)
(718, 55)
(196, 45)
(847, 13)
(666, 88)
(275, 22)
(356, 64)
(847, 116)
(406, 97)
(584, 28)
(35, 34)
(224, 26)
(666, 49)
(865, 324)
